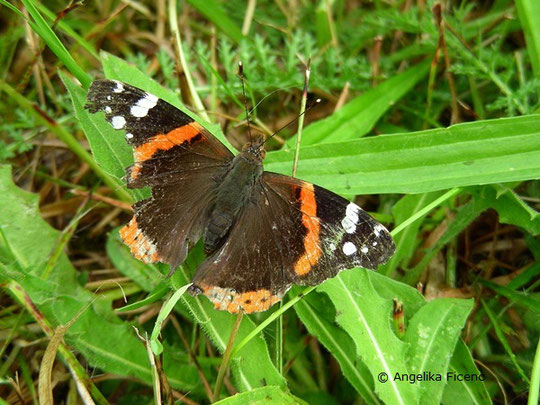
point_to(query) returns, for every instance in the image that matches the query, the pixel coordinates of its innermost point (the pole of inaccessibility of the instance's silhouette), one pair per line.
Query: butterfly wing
(175, 156)
(290, 232)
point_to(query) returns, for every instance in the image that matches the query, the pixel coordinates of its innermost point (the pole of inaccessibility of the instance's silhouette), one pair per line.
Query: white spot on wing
(119, 88)
(118, 122)
(141, 108)
(364, 249)
(332, 247)
(349, 248)
(109, 97)
(351, 218)
(108, 109)
(129, 136)
(377, 229)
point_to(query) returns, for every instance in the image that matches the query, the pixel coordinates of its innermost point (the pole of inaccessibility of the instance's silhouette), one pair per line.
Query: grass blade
(481, 152)
(47, 34)
(357, 117)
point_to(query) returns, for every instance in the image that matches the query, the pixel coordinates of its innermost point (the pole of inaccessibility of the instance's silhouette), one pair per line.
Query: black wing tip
(98, 88)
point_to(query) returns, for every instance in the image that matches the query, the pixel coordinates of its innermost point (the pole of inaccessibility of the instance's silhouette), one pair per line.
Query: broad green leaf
(481, 152)
(465, 392)
(432, 334)
(105, 341)
(511, 209)
(263, 396)
(319, 318)
(356, 118)
(366, 317)
(390, 289)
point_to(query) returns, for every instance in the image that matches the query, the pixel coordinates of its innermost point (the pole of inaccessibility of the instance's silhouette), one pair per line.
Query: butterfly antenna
(309, 107)
(241, 74)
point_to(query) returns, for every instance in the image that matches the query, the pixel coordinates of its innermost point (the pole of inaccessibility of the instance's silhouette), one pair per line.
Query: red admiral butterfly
(262, 231)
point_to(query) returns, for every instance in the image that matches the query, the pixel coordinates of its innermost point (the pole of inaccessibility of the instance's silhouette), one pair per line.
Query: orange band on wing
(311, 241)
(141, 246)
(226, 299)
(164, 142)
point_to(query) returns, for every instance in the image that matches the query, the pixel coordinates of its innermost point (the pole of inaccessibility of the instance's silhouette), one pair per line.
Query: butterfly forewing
(181, 161)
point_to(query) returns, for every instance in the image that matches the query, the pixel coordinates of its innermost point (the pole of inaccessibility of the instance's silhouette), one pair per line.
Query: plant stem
(227, 356)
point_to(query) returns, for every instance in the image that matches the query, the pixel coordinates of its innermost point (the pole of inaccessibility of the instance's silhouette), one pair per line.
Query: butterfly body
(233, 193)
(261, 231)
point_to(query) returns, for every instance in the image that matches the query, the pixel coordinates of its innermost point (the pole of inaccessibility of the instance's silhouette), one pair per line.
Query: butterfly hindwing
(175, 156)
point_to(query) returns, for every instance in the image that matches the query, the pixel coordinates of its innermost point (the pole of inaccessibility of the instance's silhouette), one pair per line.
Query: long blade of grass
(529, 14)
(166, 309)
(500, 334)
(356, 118)
(64, 26)
(481, 152)
(518, 298)
(46, 33)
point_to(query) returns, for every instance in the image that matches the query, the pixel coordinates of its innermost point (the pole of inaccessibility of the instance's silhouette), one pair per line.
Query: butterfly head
(254, 150)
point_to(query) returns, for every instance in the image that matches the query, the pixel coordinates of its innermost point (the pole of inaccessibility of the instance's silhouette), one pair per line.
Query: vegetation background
(427, 119)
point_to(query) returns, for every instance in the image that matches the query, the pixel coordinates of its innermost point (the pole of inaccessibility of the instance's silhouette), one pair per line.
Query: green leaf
(159, 292)
(511, 209)
(465, 392)
(432, 334)
(313, 310)
(356, 118)
(481, 152)
(500, 334)
(519, 298)
(263, 396)
(105, 341)
(366, 317)
(166, 309)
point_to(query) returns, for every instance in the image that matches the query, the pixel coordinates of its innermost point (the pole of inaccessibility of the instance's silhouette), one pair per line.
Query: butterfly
(261, 231)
